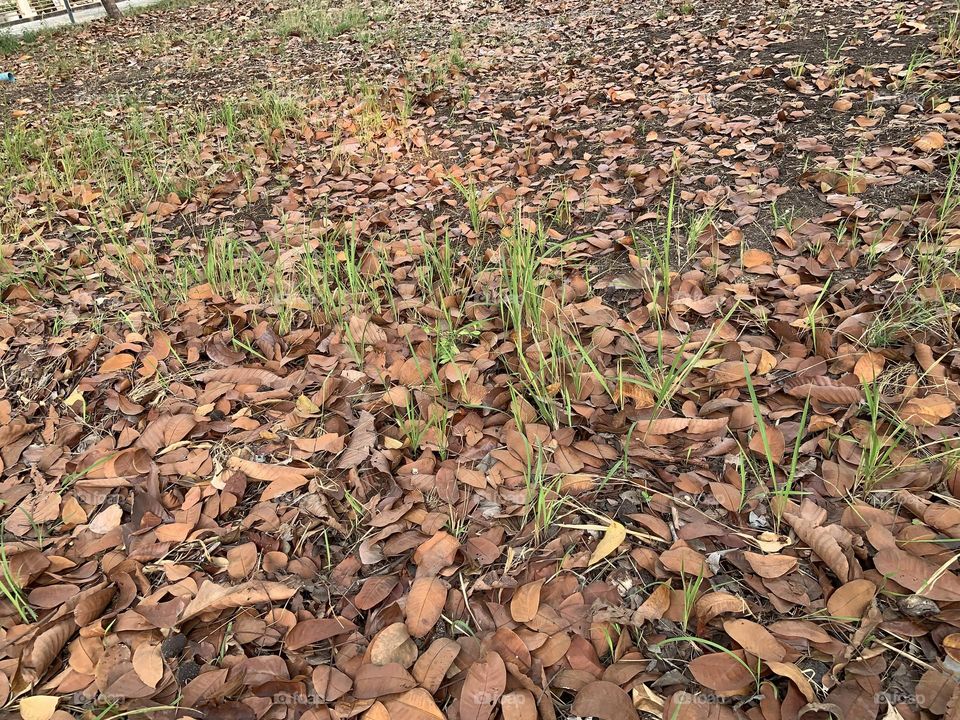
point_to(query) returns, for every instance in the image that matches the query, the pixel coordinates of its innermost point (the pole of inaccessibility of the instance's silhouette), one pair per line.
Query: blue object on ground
(6, 77)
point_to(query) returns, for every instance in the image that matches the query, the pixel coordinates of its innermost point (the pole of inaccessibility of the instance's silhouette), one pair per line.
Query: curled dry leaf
(825, 546)
(796, 676)
(213, 597)
(655, 606)
(713, 604)
(45, 648)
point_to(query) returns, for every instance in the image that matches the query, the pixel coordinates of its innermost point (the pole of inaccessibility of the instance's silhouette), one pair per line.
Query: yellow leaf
(38, 707)
(614, 535)
(306, 406)
(76, 399)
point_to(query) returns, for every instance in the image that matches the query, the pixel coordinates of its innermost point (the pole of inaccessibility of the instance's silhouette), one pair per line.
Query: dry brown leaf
(431, 667)
(755, 639)
(484, 684)
(613, 536)
(684, 560)
(374, 681)
(526, 601)
(242, 560)
(519, 705)
(869, 366)
(329, 683)
(825, 546)
(114, 363)
(393, 645)
(425, 604)
(796, 675)
(46, 647)
(770, 566)
(309, 632)
(655, 606)
(362, 440)
(712, 604)
(436, 553)
(165, 431)
(928, 410)
(769, 442)
(930, 142)
(374, 591)
(724, 672)
(851, 599)
(38, 707)
(213, 597)
(416, 704)
(917, 575)
(148, 664)
(755, 258)
(604, 700)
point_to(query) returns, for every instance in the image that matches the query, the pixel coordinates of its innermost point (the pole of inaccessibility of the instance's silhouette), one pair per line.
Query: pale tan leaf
(613, 536)
(148, 664)
(213, 597)
(38, 707)
(869, 366)
(526, 601)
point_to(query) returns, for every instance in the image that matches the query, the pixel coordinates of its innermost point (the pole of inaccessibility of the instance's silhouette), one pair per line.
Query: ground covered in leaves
(428, 360)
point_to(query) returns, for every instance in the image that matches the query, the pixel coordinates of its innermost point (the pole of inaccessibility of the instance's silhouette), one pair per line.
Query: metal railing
(13, 12)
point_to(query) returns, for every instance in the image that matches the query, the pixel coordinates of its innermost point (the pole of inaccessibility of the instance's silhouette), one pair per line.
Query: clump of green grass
(11, 589)
(783, 484)
(948, 41)
(319, 20)
(9, 43)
